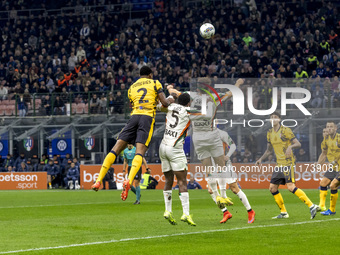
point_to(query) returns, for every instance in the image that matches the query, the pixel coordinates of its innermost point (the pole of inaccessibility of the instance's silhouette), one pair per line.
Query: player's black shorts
(330, 174)
(139, 129)
(283, 175)
(138, 175)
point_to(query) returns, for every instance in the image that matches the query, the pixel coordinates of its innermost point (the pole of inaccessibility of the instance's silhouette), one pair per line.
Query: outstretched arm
(165, 101)
(238, 84)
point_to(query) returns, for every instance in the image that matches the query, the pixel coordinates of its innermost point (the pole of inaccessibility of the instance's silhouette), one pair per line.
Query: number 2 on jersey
(175, 115)
(141, 100)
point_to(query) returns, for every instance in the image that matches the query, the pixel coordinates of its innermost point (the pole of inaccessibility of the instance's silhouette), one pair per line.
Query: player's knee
(291, 188)
(235, 189)
(272, 189)
(333, 186)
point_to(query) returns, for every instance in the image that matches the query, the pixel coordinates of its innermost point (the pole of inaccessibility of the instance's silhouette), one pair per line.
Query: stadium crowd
(92, 58)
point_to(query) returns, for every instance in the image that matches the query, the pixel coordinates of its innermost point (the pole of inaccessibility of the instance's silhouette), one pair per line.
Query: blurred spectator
(46, 105)
(317, 97)
(3, 91)
(8, 161)
(53, 173)
(22, 106)
(59, 106)
(302, 156)
(23, 167)
(193, 184)
(94, 104)
(148, 182)
(72, 177)
(18, 161)
(109, 178)
(102, 104)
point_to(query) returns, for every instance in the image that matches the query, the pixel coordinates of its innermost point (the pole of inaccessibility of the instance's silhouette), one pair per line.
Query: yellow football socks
(323, 195)
(334, 198)
(279, 201)
(302, 196)
(135, 166)
(108, 161)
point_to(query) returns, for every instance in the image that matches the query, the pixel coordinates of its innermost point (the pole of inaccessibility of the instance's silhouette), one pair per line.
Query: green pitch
(77, 220)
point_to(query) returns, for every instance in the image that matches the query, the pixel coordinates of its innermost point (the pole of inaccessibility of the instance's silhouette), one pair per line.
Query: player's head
(202, 84)
(130, 146)
(325, 132)
(275, 118)
(146, 72)
(184, 99)
(331, 127)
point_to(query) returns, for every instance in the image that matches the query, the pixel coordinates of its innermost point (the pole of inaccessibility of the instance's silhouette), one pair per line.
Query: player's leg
(184, 196)
(108, 161)
(167, 193)
(303, 197)
(242, 196)
(169, 180)
(207, 163)
(136, 183)
(274, 189)
(334, 197)
(143, 137)
(323, 192)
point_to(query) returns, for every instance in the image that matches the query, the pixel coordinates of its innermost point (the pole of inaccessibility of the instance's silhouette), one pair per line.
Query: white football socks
(168, 200)
(184, 196)
(244, 199)
(222, 183)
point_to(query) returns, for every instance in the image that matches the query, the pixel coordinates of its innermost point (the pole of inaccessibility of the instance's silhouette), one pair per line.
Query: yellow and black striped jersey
(143, 95)
(280, 140)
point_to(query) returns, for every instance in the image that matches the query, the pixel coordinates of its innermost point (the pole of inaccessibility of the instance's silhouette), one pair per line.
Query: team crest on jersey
(28, 143)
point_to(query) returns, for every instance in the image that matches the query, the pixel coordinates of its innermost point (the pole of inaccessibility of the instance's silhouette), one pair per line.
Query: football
(207, 30)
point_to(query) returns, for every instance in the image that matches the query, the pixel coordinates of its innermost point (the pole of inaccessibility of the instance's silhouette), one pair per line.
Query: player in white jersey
(172, 156)
(206, 138)
(230, 177)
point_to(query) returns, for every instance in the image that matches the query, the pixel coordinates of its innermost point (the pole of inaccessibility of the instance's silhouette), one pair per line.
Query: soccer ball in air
(207, 30)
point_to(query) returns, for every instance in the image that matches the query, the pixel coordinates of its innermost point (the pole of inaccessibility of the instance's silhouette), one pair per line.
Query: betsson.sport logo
(19, 181)
(239, 102)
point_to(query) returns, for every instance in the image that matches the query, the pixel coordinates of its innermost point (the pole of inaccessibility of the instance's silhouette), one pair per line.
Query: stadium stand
(74, 49)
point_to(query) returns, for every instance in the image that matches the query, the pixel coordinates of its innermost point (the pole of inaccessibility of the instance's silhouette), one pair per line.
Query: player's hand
(288, 152)
(226, 158)
(169, 87)
(258, 162)
(239, 82)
